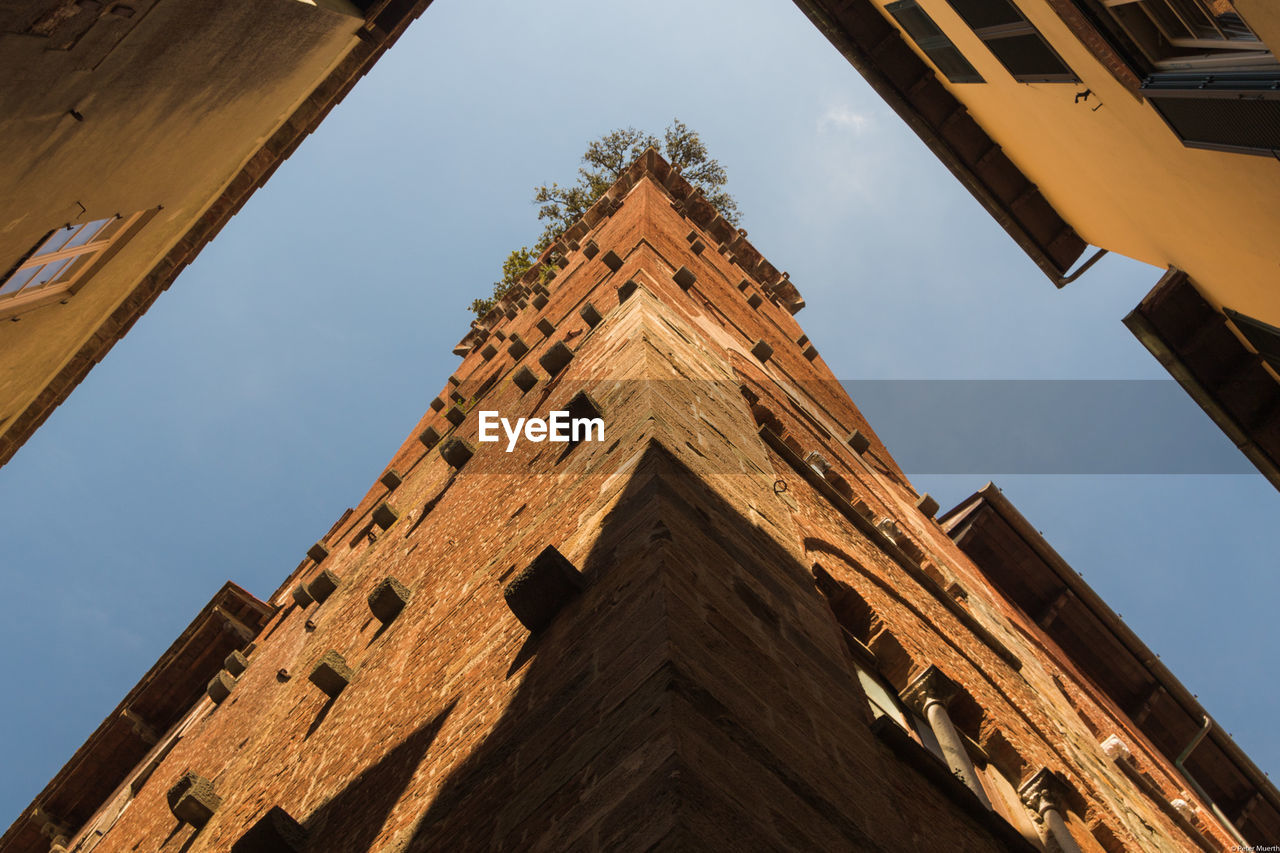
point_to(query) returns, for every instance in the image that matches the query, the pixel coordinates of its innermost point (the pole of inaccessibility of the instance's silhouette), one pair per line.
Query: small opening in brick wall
(581, 407)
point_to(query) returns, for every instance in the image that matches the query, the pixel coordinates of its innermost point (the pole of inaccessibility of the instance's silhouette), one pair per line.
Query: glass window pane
(86, 233)
(57, 239)
(883, 703)
(49, 272)
(18, 279)
(933, 42)
(986, 13)
(1029, 58)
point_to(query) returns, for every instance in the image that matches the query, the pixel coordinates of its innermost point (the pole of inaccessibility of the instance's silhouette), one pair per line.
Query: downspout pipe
(1195, 786)
(1063, 281)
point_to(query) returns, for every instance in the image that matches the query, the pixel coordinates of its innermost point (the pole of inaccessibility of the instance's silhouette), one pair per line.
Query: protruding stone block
(556, 359)
(762, 351)
(318, 552)
(331, 674)
(685, 278)
(193, 800)
(545, 586)
(546, 327)
(236, 663)
(384, 515)
(388, 599)
(612, 261)
(539, 302)
(518, 348)
(220, 686)
(858, 442)
(455, 416)
(927, 505)
(488, 351)
(456, 452)
(626, 289)
(391, 479)
(275, 832)
(429, 437)
(323, 585)
(524, 379)
(591, 249)
(301, 596)
(589, 313)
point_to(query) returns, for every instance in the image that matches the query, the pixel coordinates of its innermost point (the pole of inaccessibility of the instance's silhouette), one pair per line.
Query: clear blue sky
(266, 390)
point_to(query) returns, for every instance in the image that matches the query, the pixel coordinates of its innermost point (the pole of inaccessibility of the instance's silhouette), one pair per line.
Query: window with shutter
(1204, 69)
(1014, 41)
(916, 23)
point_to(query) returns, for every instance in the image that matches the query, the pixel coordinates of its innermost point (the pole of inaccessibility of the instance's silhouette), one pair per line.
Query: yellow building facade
(1149, 128)
(130, 132)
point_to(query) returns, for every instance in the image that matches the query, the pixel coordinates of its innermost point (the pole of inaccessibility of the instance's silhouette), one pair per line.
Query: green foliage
(603, 163)
(516, 265)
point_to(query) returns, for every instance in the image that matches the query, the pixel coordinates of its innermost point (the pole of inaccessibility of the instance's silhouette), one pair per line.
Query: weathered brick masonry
(749, 578)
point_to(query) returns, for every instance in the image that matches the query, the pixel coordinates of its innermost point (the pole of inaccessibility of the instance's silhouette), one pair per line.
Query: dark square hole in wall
(556, 359)
(524, 379)
(583, 414)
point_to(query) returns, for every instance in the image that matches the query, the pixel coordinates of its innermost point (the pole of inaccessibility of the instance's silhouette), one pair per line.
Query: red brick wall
(699, 692)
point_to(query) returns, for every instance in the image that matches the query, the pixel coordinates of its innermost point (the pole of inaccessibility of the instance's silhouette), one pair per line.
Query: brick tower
(731, 624)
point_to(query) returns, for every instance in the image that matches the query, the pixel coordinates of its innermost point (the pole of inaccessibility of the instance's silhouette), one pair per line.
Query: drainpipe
(1195, 786)
(1044, 793)
(928, 695)
(1063, 281)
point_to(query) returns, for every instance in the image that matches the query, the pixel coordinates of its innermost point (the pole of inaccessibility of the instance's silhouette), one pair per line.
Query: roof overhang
(909, 85)
(229, 622)
(1022, 566)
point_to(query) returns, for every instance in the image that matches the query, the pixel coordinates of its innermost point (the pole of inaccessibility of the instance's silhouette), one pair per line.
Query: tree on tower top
(604, 161)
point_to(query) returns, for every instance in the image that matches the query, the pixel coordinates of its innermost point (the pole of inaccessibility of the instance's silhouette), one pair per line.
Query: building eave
(911, 88)
(1219, 755)
(159, 700)
(1191, 340)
